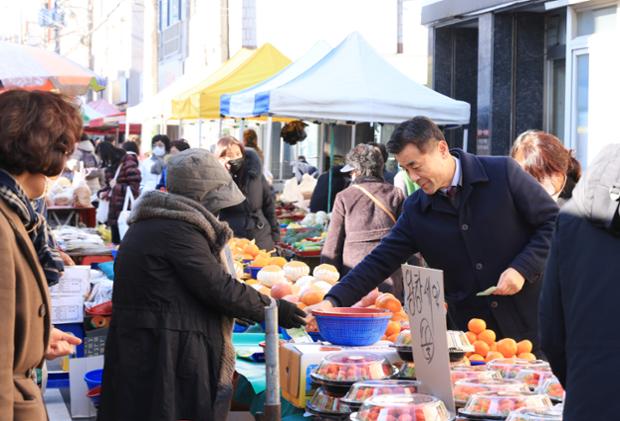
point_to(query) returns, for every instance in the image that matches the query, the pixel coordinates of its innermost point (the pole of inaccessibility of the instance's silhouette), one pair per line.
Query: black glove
(289, 315)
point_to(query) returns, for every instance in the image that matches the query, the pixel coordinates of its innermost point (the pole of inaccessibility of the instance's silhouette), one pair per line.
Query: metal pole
(282, 160)
(331, 165)
(241, 129)
(268, 144)
(219, 131)
(353, 135)
(272, 368)
(200, 132)
(321, 148)
(465, 138)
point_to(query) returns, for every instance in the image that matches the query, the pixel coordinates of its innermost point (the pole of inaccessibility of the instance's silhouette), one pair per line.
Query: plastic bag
(125, 212)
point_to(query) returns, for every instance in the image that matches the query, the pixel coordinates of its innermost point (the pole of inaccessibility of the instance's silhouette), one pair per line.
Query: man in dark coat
(579, 301)
(482, 220)
(255, 218)
(169, 353)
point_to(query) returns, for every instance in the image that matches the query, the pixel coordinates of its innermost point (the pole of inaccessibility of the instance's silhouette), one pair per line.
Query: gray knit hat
(197, 174)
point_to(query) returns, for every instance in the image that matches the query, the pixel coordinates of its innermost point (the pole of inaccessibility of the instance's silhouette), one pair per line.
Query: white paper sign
(67, 309)
(424, 304)
(74, 281)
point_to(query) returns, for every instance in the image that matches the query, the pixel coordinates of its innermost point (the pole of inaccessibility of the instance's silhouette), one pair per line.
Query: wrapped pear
(270, 275)
(295, 270)
(327, 273)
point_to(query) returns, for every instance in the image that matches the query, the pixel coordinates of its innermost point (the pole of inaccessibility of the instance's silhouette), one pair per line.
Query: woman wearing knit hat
(169, 353)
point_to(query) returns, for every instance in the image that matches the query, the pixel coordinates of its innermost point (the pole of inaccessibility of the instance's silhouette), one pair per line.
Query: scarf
(36, 227)
(158, 165)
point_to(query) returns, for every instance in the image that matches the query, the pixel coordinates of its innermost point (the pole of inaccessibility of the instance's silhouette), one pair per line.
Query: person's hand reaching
(61, 344)
(289, 315)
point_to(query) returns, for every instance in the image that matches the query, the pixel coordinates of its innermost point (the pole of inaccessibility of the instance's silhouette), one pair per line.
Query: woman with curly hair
(363, 214)
(38, 131)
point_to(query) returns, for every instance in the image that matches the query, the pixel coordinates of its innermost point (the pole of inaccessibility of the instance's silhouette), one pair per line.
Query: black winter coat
(255, 218)
(505, 219)
(340, 181)
(164, 351)
(579, 308)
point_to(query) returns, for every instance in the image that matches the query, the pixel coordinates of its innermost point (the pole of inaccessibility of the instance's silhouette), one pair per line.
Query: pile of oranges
(488, 349)
(399, 319)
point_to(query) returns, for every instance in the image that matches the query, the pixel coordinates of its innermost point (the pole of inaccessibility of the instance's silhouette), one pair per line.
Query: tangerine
(392, 338)
(477, 326)
(476, 357)
(487, 336)
(492, 355)
(389, 302)
(481, 348)
(508, 347)
(301, 305)
(527, 356)
(472, 337)
(524, 346)
(312, 296)
(392, 328)
(278, 261)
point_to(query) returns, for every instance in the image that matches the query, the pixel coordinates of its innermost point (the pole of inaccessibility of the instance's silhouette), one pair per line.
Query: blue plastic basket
(352, 331)
(93, 378)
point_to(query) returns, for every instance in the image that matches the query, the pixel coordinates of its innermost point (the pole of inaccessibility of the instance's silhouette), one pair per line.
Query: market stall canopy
(26, 67)
(244, 69)
(243, 104)
(354, 83)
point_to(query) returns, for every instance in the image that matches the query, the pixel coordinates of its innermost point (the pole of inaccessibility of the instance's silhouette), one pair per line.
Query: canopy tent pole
(241, 129)
(181, 128)
(281, 172)
(321, 148)
(331, 165)
(268, 144)
(465, 138)
(353, 127)
(219, 130)
(200, 132)
(126, 127)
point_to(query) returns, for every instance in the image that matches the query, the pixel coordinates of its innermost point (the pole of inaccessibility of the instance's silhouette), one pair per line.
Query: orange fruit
(481, 348)
(524, 346)
(312, 296)
(401, 316)
(492, 355)
(392, 328)
(477, 326)
(251, 249)
(494, 347)
(392, 338)
(508, 347)
(301, 305)
(476, 357)
(487, 336)
(278, 261)
(527, 356)
(472, 337)
(389, 302)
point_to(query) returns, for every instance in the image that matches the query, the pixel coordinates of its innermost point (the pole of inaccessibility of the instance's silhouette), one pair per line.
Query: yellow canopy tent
(244, 69)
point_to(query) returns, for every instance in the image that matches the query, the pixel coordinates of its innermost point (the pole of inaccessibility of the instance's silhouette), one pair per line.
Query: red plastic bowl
(357, 312)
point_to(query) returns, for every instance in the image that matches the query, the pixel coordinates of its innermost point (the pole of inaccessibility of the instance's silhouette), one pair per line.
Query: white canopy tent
(354, 83)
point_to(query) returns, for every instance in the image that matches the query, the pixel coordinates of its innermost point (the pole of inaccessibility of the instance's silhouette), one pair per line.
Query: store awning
(244, 69)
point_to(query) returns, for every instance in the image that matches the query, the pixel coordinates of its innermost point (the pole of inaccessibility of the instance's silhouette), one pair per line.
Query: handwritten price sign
(424, 304)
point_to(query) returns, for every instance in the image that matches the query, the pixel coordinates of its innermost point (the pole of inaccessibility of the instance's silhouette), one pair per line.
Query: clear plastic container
(510, 367)
(415, 407)
(552, 388)
(498, 405)
(406, 371)
(534, 377)
(323, 403)
(352, 366)
(361, 391)
(463, 389)
(527, 414)
(479, 372)
(403, 339)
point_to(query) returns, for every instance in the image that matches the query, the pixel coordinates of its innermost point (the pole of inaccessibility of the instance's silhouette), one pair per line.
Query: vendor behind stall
(363, 214)
(169, 354)
(482, 220)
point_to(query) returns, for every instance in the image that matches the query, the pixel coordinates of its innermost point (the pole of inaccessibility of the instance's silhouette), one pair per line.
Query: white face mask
(159, 151)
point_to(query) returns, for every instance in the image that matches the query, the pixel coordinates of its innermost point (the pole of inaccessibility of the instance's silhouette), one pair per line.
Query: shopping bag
(125, 212)
(103, 210)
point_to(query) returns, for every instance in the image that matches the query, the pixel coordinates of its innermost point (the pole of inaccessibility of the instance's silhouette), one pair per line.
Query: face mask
(235, 165)
(159, 151)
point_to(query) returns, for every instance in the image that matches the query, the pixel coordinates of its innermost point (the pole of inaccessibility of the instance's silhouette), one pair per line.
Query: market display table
(69, 215)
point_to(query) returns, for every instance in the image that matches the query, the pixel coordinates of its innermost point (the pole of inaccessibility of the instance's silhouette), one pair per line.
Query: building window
(170, 13)
(172, 35)
(581, 77)
(558, 97)
(596, 21)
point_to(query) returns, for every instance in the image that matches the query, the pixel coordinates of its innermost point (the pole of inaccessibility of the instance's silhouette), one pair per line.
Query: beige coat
(24, 321)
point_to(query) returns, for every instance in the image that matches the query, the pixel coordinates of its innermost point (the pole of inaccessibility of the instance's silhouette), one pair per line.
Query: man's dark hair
(382, 148)
(131, 146)
(180, 144)
(161, 137)
(419, 131)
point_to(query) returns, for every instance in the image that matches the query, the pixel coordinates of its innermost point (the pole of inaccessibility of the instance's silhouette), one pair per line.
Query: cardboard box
(298, 360)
